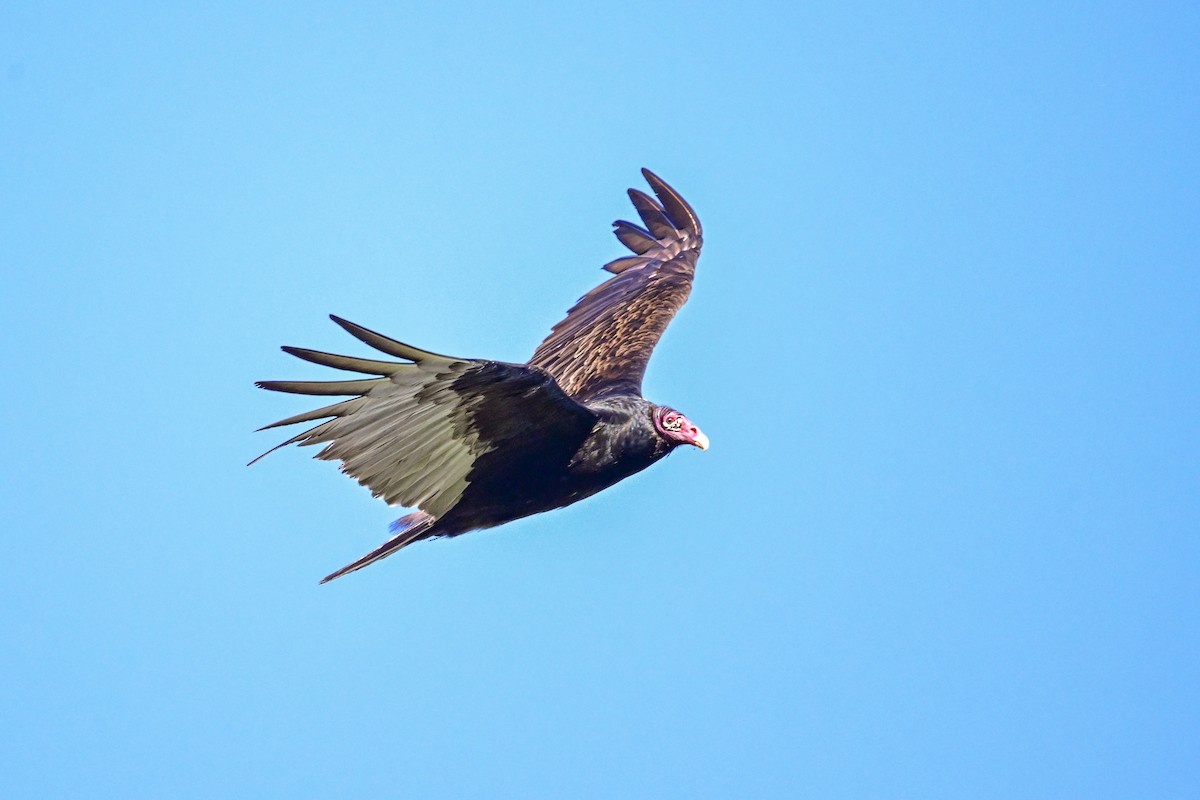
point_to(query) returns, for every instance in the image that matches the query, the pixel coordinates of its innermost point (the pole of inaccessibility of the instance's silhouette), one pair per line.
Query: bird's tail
(408, 529)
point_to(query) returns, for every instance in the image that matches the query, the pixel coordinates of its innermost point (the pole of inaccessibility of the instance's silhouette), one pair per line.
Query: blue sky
(944, 339)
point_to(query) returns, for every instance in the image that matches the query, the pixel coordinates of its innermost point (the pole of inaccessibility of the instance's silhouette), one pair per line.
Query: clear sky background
(945, 339)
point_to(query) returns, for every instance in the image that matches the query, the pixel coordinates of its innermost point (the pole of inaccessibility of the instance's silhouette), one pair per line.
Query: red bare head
(678, 429)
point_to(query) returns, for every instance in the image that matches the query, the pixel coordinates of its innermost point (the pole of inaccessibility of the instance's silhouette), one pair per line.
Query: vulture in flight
(474, 443)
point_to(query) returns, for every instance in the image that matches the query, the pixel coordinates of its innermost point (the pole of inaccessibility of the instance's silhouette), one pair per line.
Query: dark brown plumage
(475, 443)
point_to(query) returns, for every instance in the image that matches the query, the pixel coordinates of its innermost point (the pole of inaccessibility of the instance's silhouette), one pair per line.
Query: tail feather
(408, 529)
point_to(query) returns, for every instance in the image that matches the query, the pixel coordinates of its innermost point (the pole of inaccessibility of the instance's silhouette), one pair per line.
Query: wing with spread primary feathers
(604, 344)
(413, 434)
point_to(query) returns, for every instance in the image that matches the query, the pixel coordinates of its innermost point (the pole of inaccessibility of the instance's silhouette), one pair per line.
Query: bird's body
(509, 485)
(475, 443)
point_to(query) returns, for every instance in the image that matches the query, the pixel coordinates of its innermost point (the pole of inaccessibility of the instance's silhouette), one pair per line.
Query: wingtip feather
(635, 237)
(678, 210)
(386, 344)
(657, 222)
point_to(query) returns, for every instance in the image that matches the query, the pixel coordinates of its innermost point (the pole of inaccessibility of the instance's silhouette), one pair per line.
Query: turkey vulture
(475, 443)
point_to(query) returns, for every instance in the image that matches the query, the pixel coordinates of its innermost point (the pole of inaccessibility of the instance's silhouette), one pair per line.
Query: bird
(474, 443)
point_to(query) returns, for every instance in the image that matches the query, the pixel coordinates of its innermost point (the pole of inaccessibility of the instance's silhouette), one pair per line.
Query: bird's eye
(672, 422)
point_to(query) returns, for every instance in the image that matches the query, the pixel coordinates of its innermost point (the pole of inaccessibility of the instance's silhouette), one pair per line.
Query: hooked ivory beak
(700, 440)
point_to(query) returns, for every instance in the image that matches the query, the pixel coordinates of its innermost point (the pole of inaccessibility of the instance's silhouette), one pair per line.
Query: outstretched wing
(413, 434)
(604, 344)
